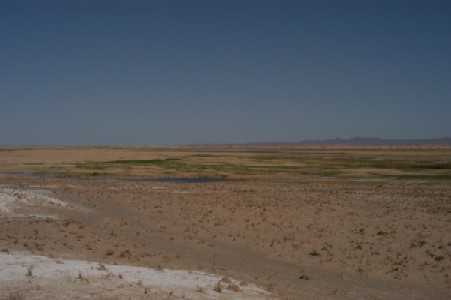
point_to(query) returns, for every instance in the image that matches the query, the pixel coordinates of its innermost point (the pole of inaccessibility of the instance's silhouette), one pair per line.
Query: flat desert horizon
(226, 222)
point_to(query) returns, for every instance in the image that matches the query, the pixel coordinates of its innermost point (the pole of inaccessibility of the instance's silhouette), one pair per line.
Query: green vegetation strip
(335, 165)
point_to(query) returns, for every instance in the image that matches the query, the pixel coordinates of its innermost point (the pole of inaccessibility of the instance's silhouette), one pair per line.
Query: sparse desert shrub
(200, 289)
(29, 271)
(125, 253)
(314, 253)
(380, 232)
(243, 283)
(234, 288)
(218, 288)
(439, 258)
(358, 246)
(416, 243)
(226, 280)
(270, 287)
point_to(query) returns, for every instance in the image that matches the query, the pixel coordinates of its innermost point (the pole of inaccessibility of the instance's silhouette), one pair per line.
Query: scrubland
(283, 222)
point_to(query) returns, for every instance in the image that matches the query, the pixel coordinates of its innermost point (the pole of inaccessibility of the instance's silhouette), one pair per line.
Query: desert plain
(225, 222)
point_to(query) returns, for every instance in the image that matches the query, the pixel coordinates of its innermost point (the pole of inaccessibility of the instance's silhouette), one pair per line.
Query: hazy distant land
(370, 141)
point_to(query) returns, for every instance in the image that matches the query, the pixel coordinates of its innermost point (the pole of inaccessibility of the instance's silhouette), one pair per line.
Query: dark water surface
(196, 180)
(174, 179)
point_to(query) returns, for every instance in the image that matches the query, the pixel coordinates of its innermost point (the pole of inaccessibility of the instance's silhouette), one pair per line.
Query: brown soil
(299, 237)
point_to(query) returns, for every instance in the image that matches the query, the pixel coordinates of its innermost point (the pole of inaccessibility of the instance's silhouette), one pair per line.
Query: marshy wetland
(268, 222)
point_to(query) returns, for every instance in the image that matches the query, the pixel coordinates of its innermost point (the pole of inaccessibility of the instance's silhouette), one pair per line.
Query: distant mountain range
(366, 141)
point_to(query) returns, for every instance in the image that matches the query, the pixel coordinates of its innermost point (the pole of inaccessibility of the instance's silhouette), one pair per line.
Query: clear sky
(108, 72)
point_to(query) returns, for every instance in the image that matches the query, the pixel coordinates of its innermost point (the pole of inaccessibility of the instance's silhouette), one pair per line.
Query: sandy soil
(297, 240)
(27, 276)
(276, 237)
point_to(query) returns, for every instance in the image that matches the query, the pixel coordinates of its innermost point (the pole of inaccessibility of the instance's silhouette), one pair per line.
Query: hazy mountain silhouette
(365, 141)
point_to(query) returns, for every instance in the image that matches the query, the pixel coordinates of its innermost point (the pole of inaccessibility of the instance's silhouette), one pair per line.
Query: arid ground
(226, 222)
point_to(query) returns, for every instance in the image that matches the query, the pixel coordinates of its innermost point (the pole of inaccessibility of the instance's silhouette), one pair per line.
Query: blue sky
(177, 72)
